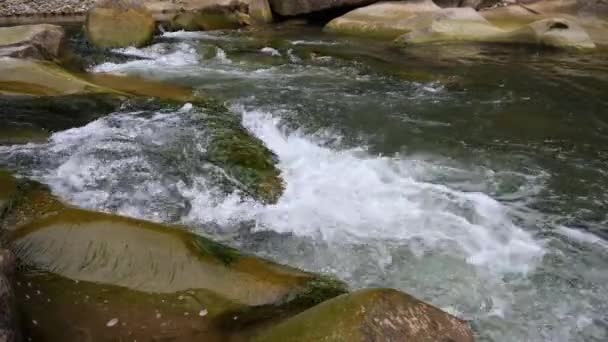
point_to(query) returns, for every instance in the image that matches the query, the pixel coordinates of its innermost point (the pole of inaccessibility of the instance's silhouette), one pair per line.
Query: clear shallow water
(471, 177)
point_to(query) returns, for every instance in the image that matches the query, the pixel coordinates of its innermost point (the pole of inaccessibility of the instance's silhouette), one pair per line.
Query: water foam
(350, 194)
(154, 56)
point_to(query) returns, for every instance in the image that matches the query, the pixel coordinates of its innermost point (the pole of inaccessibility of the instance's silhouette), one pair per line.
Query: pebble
(203, 313)
(112, 322)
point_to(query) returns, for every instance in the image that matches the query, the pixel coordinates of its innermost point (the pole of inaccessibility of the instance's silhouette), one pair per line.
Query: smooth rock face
(29, 77)
(31, 41)
(119, 25)
(141, 280)
(449, 24)
(385, 19)
(297, 7)
(370, 315)
(460, 24)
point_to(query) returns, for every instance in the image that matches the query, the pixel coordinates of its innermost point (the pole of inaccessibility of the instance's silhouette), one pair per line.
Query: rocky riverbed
(161, 161)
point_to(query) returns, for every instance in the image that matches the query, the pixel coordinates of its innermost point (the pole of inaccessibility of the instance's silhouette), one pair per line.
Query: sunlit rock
(31, 41)
(119, 23)
(370, 315)
(385, 19)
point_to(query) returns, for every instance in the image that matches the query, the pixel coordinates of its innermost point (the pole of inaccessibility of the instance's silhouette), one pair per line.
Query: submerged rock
(298, 7)
(221, 14)
(31, 41)
(370, 315)
(385, 19)
(152, 280)
(119, 23)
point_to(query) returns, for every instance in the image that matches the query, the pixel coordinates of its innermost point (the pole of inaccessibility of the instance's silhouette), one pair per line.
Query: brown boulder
(370, 315)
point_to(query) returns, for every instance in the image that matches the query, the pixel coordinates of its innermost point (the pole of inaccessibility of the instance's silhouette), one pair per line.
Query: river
(472, 177)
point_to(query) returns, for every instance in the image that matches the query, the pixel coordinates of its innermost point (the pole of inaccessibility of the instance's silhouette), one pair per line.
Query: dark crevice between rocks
(320, 18)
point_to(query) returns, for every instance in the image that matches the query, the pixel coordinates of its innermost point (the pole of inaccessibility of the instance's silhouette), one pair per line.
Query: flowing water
(471, 177)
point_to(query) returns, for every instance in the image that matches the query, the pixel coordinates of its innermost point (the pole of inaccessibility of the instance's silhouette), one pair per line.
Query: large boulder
(31, 41)
(30, 77)
(448, 25)
(298, 7)
(557, 33)
(127, 277)
(221, 14)
(384, 20)
(370, 315)
(119, 23)
(592, 16)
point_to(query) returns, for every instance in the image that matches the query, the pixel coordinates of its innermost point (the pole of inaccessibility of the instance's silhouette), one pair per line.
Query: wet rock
(29, 77)
(559, 33)
(119, 23)
(383, 20)
(242, 156)
(31, 41)
(221, 14)
(153, 279)
(371, 315)
(298, 7)
(9, 326)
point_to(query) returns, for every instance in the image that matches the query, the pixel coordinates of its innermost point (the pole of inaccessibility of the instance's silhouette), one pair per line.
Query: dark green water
(470, 176)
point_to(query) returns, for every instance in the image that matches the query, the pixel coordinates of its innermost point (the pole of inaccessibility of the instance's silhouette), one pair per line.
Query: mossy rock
(158, 281)
(115, 26)
(242, 156)
(370, 315)
(140, 255)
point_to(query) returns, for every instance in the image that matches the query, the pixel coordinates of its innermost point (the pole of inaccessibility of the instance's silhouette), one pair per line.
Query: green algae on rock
(370, 315)
(250, 165)
(119, 23)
